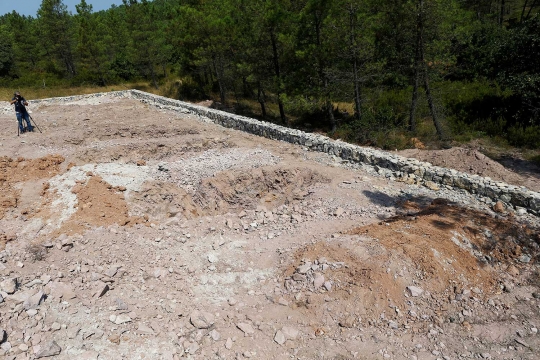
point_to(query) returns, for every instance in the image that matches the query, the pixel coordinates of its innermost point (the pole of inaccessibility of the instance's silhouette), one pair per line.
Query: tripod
(31, 121)
(36, 125)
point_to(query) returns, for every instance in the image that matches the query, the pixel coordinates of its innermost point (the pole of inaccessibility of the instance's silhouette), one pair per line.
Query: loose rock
(48, 349)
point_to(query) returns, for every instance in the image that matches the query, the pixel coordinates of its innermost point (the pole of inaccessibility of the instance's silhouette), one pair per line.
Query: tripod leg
(37, 127)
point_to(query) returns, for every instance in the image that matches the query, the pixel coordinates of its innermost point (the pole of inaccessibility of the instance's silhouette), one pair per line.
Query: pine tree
(55, 24)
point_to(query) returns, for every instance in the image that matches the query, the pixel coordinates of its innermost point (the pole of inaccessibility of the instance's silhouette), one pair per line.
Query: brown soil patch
(361, 280)
(5, 238)
(100, 204)
(13, 171)
(428, 236)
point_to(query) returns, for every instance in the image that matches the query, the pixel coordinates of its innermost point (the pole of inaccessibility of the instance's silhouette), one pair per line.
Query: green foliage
(6, 52)
(293, 61)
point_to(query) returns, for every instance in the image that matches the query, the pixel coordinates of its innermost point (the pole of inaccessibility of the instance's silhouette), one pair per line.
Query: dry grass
(50, 92)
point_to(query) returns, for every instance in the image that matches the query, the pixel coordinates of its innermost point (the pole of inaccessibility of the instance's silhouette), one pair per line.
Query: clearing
(128, 232)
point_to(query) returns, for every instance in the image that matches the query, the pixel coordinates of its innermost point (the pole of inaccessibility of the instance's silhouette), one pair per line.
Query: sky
(30, 7)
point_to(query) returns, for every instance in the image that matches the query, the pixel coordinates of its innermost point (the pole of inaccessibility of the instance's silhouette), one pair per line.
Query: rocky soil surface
(128, 232)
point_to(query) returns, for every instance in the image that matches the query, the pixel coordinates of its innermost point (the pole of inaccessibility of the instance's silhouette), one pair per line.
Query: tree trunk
(220, 82)
(523, 9)
(278, 76)
(419, 58)
(530, 9)
(357, 103)
(153, 74)
(414, 102)
(262, 100)
(438, 126)
(330, 109)
(501, 21)
(356, 80)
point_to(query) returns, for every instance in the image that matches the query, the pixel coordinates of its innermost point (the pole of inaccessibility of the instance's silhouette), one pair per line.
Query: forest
(372, 72)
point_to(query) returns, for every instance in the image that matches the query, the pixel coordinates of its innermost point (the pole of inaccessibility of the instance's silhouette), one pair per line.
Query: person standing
(21, 112)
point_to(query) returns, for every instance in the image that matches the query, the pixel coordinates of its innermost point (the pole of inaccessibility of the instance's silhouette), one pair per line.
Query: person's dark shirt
(19, 104)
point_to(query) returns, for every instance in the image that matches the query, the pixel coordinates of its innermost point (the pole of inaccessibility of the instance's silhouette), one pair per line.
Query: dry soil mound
(473, 162)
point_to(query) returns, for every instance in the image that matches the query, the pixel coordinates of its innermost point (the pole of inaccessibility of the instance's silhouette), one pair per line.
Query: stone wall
(408, 170)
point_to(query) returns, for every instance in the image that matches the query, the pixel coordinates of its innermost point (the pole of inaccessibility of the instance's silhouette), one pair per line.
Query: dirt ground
(128, 232)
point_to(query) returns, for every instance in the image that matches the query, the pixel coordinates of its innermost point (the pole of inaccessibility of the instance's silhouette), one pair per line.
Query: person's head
(17, 94)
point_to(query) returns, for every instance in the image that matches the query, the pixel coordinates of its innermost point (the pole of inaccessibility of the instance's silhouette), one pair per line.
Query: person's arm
(13, 101)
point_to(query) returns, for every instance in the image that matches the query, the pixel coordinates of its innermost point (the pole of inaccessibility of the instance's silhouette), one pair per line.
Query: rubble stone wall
(408, 170)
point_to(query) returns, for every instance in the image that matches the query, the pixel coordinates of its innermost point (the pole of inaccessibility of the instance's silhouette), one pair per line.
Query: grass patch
(59, 91)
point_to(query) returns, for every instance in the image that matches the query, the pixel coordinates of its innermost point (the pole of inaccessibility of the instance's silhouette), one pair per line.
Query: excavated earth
(128, 232)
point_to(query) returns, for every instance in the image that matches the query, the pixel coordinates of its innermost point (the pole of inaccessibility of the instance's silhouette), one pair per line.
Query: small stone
(101, 289)
(327, 285)
(339, 211)
(318, 280)
(110, 272)
(521, 342)
(304, 268)
(432, 186)
(48, 349)
(232, 302)
(290, 332)
(192, 348)
(201, 319)
(112, 318)
(283, 302)
(120, 305)
(215, 335)
(34, 301)
(122, 319)
(414, 291)
(8, 286)
(73, 332)
(348, 322)
(525, 258)
(228, 344)
(246, 328)
(212, 258)
(23, 347)
(145, 329)
(498, 207)
(55, 326)
(279, 337)
(512, 270)
(114, 338)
